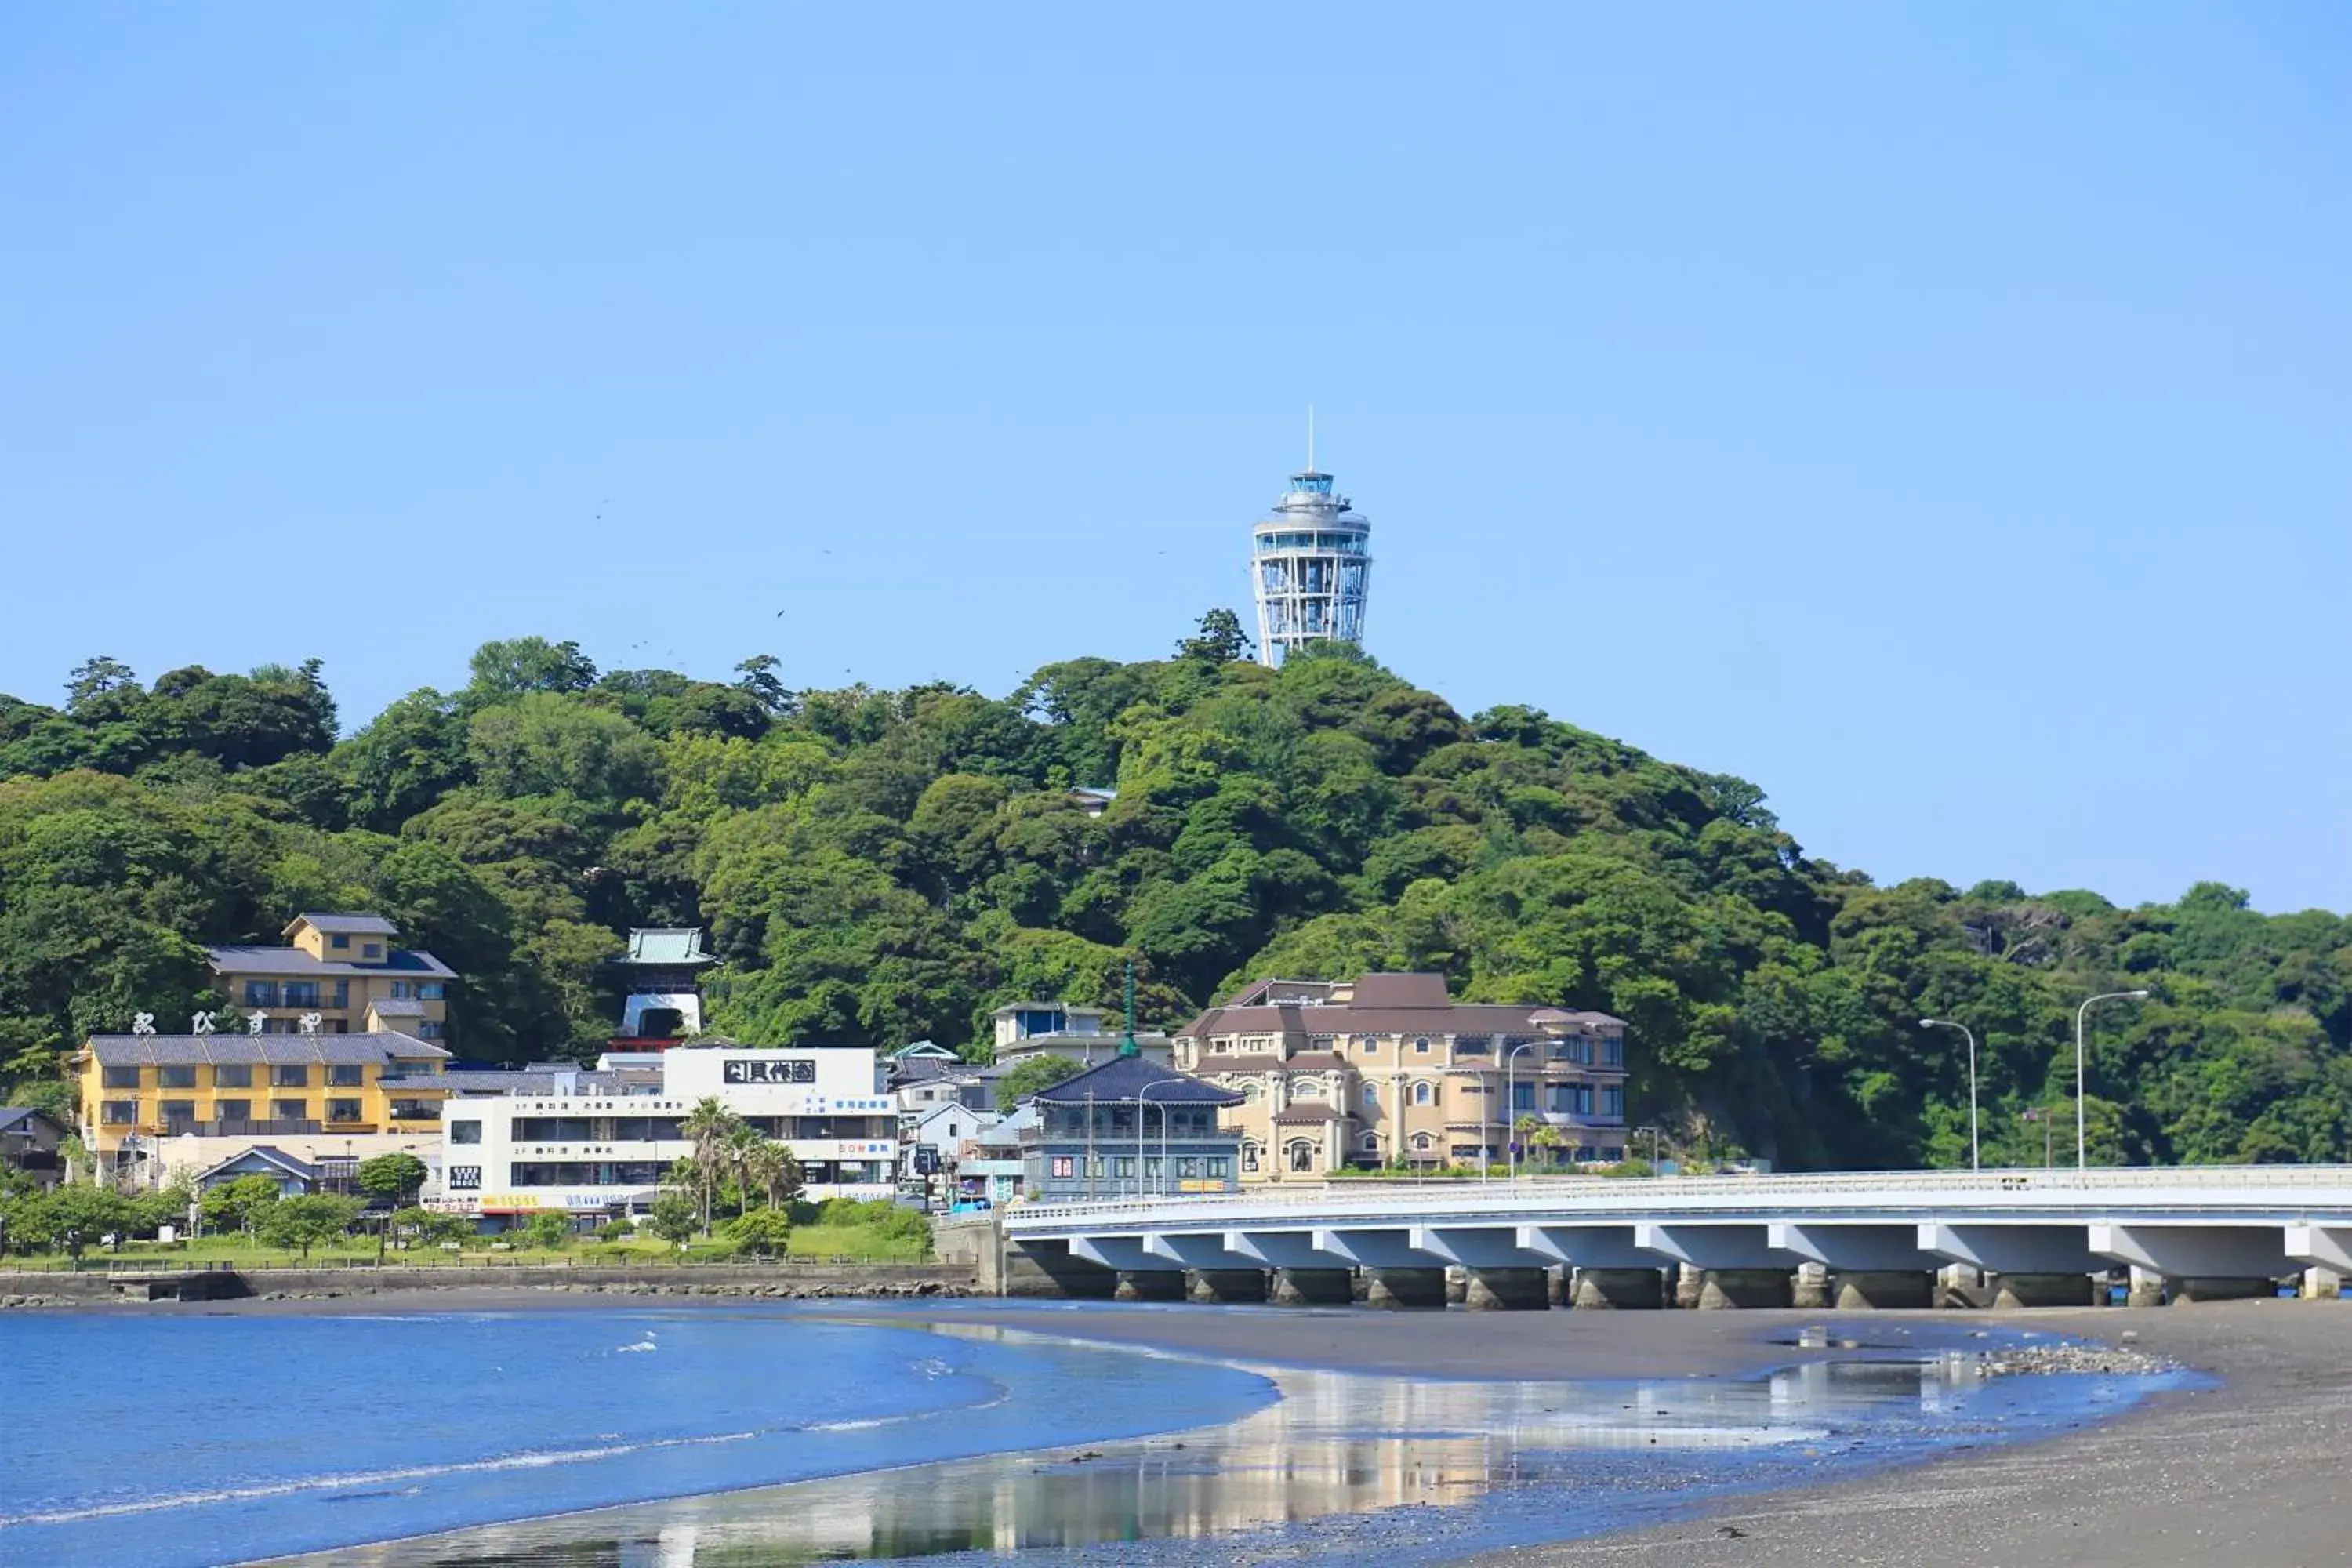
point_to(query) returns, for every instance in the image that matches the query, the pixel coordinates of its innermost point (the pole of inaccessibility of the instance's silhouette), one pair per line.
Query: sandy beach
(2250, 1471)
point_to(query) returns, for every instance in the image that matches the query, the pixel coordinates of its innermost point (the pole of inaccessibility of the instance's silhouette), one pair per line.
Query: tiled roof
(293, 961)
(666, 945)
(18, 1118)
(1308, 1114)
(1305, 1061)
(188, 1050)
(292, 1165)
(343, 925)
(396, 1007)
(1128, 1078)
(1356, 1018)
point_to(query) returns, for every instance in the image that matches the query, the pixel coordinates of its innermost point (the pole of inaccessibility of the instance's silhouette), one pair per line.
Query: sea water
(207, 1439)
(618, 1438)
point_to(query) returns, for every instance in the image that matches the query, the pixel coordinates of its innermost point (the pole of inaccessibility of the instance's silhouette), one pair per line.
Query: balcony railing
(247, 1127)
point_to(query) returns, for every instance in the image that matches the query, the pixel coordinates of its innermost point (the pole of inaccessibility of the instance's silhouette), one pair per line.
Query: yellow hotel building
(346, 969)
(256, 1086)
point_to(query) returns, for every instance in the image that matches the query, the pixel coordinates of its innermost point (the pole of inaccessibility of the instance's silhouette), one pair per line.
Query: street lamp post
(2081, 1136)
(1510, 1111)
(1142, 1099)
(1976, 1159)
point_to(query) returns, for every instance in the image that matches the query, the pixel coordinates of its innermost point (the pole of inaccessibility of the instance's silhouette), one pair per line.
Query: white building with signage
(598, 1143)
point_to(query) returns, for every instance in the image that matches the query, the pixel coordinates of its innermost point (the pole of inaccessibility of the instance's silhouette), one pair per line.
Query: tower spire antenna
(1310, 438)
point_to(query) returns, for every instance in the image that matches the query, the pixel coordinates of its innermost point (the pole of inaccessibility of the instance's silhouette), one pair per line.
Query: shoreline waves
(1528, 1438)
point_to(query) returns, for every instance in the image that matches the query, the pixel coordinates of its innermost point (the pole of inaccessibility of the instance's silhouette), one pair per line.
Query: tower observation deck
(1310, 565)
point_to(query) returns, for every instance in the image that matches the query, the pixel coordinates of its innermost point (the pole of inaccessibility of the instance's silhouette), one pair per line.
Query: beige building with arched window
(1389, 1069)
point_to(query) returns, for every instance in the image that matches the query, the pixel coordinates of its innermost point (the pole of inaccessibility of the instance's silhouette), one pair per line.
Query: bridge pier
(1884, 1289)
(1312, 1287)
(1221, 1286)
(1398, 1289)
(2322, 1284)
(1603, 1289)
(2197, 1262)
(1149, 1285)
(1810, 1288)
(1723, 1289)
(2192, 1288)
(1687, 1281)
(1505, 1290)
(2013, 1291)
(1047, 1267)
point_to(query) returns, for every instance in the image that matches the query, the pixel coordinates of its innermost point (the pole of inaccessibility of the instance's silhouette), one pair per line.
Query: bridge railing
(2328, 1186)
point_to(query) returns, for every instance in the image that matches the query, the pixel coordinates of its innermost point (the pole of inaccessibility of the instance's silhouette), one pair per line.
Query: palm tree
(1548, 1138)
(710, 1126)
(1524, 1131)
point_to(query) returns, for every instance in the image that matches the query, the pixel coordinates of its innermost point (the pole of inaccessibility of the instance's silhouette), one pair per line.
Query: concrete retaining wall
(709, 1279)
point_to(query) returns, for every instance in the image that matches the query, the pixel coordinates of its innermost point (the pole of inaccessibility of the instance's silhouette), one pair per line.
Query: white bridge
(1879, 1238)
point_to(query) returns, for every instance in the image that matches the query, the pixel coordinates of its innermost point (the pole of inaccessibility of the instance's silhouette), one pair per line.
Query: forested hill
(880, 866)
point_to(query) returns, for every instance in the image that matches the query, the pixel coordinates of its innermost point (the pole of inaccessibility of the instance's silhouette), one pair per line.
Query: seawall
(775, 1281)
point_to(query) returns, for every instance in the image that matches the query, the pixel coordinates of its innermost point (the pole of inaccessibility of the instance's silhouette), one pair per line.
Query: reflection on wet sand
(1334, 1443)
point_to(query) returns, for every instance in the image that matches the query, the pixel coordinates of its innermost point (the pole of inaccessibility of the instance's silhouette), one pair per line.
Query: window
(404, 990)
(343, 992)
(428, 991)
(465, 1132)
(1370, 1143)
(121, 1078)
(1123, 1167)
(1372, 1094)
(1064, 1167)
(1421, 1047)
(346, 1075)
(342, 1110)
(261, 994)
(289, 1077)
(1523, 1097)
(1249, 1156)
(465, 1178)
(119, 1112)
(301, 993)
(1306, 1089)
(232, 1110)
(1421, 1094)
(291, 1110)
(428, 1030)
(175, 1078)
(1612, 1051)
(237, 1076)
(178, 1112)
(339, 942)
(372, 951)
(1421, 1142)
(1219, 1168)
(1302, 1156)
(1612, 1100)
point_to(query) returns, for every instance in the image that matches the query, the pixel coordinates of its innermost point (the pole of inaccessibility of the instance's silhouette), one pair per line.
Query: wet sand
(2251, 1473)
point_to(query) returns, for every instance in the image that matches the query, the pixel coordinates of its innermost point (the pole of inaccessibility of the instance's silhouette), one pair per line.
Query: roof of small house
(1135, 1078)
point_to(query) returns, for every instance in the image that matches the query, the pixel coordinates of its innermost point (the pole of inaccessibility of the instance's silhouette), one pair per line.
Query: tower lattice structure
(1310, 566)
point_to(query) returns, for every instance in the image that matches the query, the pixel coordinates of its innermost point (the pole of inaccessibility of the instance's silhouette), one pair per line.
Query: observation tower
(1309, 563)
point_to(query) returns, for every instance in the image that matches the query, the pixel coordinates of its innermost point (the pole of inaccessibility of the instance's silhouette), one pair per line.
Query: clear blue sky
(1937, 414)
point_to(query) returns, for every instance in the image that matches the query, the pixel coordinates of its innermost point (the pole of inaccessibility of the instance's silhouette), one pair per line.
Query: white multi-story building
(599, 1142)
